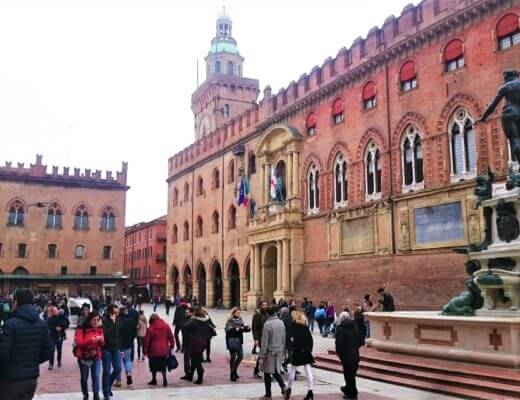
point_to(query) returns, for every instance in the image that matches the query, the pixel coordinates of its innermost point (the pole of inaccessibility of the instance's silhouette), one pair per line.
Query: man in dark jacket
(347, 349)
(179, 319)
(187, 359)
(386, 300)
(24, 345)
(258, 325)
(58, 324)
(128, 333)
(111, 358)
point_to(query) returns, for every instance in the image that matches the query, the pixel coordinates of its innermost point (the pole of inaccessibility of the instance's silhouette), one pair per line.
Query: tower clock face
(205, 126)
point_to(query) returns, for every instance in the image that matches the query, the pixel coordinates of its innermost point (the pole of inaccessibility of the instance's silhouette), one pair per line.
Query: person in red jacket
(88, 342)
(158, 343)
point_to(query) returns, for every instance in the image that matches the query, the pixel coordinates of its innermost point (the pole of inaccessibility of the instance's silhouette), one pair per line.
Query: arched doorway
(269, 272)
(234, 282)
(201, 279)
(175, 281)
(216, 275)
(188, 282)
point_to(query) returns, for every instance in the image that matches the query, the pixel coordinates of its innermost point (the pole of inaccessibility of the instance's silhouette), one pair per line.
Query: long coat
(272, 348)
(302, 344)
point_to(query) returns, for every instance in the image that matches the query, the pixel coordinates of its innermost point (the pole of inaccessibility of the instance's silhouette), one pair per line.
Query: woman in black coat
(302, 343)
(235, 329)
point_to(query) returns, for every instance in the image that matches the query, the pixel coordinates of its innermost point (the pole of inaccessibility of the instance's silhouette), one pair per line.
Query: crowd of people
(35, 327)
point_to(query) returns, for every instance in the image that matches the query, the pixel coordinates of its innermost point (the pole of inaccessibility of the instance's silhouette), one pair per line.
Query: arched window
(216, 178)
(232, 221)
(313, 190)
(454, 55)
(373, 172)
(225, 110)
(338, 112)
(199, 231)
(186, 234)
(81, 218)
(107, 252)
(174, 233)
(408, 76)
(218, 67)
(52, 251)
(412, 158)
(108, 222)
(186, 192)
(175, 197)
(230, 68)
(54, 216)
(508, 31)
(200, 186)
(231, 171)
(340, 181)
(310, 124)
(215, 222)
(251, 167)
(369, 96)
(79, 252)
(463, 146)
(16, 214)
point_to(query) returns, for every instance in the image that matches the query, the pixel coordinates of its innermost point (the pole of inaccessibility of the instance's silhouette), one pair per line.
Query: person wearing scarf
(235, 329)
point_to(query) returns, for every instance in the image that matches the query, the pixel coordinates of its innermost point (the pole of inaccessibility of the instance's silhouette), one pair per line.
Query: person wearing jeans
(88, 341)
(57, 325)
(142, 325)
(128, 333)
(235, 329)
(111, 357)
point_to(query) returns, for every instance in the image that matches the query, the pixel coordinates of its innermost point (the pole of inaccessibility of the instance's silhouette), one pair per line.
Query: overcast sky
(92, 83)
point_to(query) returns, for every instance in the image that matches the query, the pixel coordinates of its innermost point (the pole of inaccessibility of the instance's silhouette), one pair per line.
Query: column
(243, 292)
(226, 289)
(262, 174)
(279, 262)
(296, 174)
(290, 175)
(210, 293)
(258, 268)
(267, 183)
(182, 288)
(286, 267)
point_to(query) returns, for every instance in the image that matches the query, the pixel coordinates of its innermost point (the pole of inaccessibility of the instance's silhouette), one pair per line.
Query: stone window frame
(200, 186)
(175, 195)
(411, 135)
(54, 253)
(107, 252)
(54, 216)
(186, 231)
(108, 220)
(83, 255)
(313, 190)
(175, 233)
(340, 167)
(374, 152)
(232, 217)
(199, 231)
(215, 218)
(460, 120)
(215, 178)
(82, 213)
(16, 214)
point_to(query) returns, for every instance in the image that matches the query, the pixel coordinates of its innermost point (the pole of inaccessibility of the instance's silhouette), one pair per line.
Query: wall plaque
(441, 223)
(357, 236)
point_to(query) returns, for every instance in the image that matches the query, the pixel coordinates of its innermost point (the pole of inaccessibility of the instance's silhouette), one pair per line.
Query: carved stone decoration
(473, 226)
(507, 224)
(404, 236)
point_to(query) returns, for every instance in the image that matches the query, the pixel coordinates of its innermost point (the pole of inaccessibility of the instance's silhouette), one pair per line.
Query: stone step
(489, 373)
(463, 392)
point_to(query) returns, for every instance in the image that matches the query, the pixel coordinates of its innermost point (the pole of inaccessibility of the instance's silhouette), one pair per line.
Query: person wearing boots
(158, 343)
(128, 333)
(302, 343)
(348, 341)
(272, 350)
(235, 329)
(258, 325)
(197, 332)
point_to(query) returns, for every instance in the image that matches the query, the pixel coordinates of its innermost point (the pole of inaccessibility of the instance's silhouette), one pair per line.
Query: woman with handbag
(158, 344)
(88, 343)
(198, 332)
(235, 329)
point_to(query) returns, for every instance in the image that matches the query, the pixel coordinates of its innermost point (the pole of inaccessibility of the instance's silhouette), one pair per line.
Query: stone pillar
(210, 293)
(290, 175)
(182, 288)
(258, 268)
(262, 175)
(286, 267)
(267, 184)
(296, 175)
(226, 289)
(279, 262)
(243, 292)
(195, 290)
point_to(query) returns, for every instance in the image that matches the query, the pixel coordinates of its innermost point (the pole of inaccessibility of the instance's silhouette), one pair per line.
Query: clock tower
(225, 93)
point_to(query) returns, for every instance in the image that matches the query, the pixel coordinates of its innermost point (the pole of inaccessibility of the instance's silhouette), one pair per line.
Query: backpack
(320, 314)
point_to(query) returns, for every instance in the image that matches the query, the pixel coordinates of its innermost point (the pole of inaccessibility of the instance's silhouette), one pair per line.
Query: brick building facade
(61, 232)
(145, 258)
(377, 150)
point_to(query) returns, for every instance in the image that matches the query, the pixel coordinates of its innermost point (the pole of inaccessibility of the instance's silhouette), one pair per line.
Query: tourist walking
(320, 316)
(330, 312)
(57, 324)
(347, 349)
(142, 326)
(259, 319)
(213, 331)
(128, 333)
(272, 349)
(302, 343)
(235, 329)
(83, 314)
(196, 333)
(111, 356)
(24, 345)
(179, 319)
(285, 316)
(158, 344)
(309, 312)
(386, 300)
(89, 341)
(367, 306)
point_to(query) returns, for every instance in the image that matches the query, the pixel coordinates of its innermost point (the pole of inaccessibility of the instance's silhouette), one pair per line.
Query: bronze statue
(468, 301)
(510, 90)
